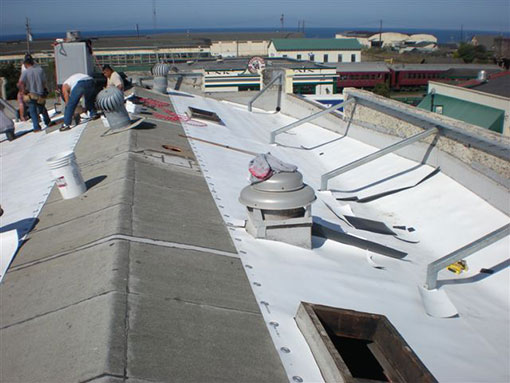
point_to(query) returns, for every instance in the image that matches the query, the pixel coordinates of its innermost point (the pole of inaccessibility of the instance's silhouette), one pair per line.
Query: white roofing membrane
(27, 181)
(472, 347)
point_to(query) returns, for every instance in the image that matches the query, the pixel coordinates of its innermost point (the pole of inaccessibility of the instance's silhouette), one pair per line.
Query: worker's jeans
(35, 109)
(82, 88)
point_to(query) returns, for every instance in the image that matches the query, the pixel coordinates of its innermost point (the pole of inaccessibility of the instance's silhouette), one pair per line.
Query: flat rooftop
(242, 63)
(151, 275)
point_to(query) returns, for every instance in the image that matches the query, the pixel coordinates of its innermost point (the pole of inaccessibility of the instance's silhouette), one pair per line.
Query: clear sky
(86, 15)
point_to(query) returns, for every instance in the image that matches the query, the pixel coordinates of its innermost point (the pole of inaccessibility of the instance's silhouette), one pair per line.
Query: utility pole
(303, 24)
(29, 35)
(154, 20)
(137, 31)
(282, 21)
(380, 34)
(299, 25)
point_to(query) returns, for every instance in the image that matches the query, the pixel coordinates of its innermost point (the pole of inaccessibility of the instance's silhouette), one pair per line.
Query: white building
(362, 37)
(317, 50)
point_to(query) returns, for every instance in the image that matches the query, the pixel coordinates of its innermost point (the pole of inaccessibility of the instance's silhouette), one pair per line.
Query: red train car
(415, 76)
(405, 76)
(362, 75)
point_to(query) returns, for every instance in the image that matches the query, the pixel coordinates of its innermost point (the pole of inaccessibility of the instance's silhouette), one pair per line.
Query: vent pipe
(482, 76)
(280, 209)
(111, 102)
(160, 71)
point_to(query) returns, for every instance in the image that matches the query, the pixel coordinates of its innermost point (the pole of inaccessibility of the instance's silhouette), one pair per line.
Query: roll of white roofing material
(9, 243)
(67, 174)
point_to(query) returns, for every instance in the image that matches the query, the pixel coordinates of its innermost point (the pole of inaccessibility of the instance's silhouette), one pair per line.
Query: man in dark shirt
(33, 84)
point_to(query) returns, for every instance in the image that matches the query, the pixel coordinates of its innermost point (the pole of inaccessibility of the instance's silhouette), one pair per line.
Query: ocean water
(444, 36)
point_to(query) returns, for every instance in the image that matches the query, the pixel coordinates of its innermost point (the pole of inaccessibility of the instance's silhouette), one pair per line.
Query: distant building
(317, 50)
(485, 103)
(402, 42)
(388, 39)
(232, 75)
(361, 36)
(499, 46)
(486, 41)
(245, 44)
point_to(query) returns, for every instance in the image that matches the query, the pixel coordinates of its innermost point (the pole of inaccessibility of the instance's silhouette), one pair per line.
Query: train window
(339, 57)
(298, 57)
(325, 58)
(353, 58)
(312, 56)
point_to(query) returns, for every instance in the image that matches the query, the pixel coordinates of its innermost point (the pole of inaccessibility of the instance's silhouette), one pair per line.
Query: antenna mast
(282, 21)
(154, 19)
(29, 35)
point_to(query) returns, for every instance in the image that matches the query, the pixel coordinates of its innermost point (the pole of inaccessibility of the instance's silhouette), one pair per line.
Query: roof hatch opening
(351, 346)
(204, 115)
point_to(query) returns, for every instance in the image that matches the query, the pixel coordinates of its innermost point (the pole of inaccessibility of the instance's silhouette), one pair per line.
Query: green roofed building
(318, 50)
(489, 111)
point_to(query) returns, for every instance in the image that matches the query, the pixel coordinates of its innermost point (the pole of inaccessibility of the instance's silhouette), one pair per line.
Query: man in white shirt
(113, 78)
(73, 89)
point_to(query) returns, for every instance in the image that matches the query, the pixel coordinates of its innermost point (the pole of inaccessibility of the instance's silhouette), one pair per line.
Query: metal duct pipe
(111, 102)
(160, 72)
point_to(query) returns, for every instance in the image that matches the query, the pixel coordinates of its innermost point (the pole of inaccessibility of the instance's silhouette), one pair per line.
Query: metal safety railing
(10, 108)
(277, 78)
(464, 252)
(371, 157)
(312, 117)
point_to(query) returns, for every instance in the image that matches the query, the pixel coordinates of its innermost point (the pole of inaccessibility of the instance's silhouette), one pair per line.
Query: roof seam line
(106, 374)
(176, 245)
(59, 309)
(123, 237)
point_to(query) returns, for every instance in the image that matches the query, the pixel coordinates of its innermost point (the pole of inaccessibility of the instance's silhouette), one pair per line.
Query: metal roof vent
(160, 71)
(482, 76)
(280, 209)
(111, 101)
(73, 36)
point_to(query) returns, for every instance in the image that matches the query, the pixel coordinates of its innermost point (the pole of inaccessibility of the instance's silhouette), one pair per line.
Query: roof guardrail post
(11, 109)
(371, 157)
(277, 78)
(464, 252)
(274, 133)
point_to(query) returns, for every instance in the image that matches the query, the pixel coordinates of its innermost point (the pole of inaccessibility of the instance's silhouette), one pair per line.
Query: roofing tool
(458, 267)
(218, 144)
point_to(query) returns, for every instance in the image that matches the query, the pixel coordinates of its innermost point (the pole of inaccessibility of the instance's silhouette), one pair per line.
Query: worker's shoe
(10, 135)
(95, 117)
(64, 128)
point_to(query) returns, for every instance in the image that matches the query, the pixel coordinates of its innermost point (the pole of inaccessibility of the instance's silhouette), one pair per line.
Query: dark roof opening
(353, 346)
(204, 115)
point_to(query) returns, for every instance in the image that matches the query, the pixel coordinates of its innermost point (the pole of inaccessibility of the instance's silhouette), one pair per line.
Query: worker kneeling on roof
(113, 78)
(73, 89)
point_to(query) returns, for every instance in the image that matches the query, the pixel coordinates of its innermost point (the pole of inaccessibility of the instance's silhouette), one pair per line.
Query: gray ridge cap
(78, 306)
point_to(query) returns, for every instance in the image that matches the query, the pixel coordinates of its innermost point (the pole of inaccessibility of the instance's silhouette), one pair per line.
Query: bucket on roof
(67, 174)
